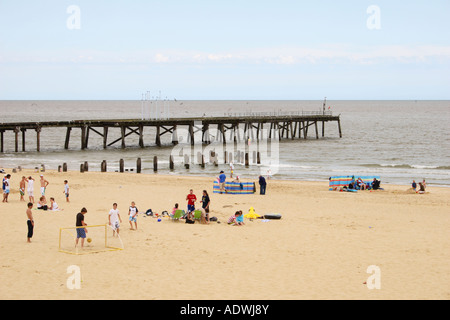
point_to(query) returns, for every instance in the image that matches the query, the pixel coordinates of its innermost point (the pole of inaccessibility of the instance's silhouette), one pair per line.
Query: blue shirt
(222, 178)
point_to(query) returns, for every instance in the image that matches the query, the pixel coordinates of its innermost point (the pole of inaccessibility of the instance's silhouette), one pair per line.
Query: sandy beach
(320, 249)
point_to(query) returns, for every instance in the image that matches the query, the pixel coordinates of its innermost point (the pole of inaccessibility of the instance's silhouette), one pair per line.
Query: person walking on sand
(30, 222)
(114, 219)
(133, 214)
(222, 180)
(44, 184)
(30, 189)
(7, 188)
(81, 230)
(66, 190)
(22, 188)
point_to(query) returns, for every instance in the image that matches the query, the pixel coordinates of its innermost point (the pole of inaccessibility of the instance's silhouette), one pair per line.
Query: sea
(399, 141)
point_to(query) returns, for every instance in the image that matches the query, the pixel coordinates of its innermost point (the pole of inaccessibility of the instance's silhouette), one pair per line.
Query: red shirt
(191, 199)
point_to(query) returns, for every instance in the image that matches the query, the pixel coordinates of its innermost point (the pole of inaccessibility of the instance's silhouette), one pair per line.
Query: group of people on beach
(359, 184)
(422, 185)
(28, 185)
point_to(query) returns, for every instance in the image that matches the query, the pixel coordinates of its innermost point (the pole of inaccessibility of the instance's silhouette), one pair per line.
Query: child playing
(133, 213)
(66, 190)
(7, 187)
(81, 232)
(237, 219)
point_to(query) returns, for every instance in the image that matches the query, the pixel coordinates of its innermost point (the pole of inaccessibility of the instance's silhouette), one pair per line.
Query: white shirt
(55, 206)
(66, 188)
(30, 185)
(114, 215)
(7, 188)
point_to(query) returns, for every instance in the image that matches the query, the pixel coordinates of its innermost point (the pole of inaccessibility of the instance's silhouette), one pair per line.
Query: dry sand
(320, 249)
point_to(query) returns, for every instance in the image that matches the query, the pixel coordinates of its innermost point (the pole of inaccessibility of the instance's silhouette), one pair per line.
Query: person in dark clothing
(262, 185)
(375, 184)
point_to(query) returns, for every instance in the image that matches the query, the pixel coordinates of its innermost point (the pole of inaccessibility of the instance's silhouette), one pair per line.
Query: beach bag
(213, 219)
(149, 212)
(190, 221)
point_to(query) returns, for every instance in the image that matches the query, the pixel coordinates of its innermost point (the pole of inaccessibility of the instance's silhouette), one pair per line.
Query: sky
(224, 50)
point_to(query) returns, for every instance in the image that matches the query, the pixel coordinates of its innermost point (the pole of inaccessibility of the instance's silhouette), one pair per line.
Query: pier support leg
(83, 137)
(158, 136)
(222, 133)
(66, 144)
(105, 137)
(16, 134)
(1, 141)
(38, 139)
(305, 130)
(323, 129)
(317, 129)
(122, 131)
(141, 136)
(205, 134)
(23, 139)
(86, 142)
(292, 131)
(175, 135)
(339, 126)
(191, 134)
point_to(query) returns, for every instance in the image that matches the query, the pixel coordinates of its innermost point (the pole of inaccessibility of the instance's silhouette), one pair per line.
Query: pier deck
(286, 126)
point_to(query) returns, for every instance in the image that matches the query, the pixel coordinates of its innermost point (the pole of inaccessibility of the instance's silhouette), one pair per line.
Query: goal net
(99, 238)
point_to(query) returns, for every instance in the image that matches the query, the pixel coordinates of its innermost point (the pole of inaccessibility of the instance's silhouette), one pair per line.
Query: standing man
(222, 179)
(262, 185)
(30, 189)
(44, 184)
(30, 222)
(191, 199)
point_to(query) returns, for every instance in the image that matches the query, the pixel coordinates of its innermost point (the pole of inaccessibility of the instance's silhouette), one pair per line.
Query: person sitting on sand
(175, 208)
(421, 188)
(375, 184)
(42, 204)
(361, 184)
(237, 219)
(53, 205)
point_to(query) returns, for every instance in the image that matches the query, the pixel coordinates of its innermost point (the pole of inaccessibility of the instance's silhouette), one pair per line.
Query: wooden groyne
(213, 129)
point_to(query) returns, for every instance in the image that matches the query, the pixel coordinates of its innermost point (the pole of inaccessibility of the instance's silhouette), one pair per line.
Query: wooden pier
(213, 129)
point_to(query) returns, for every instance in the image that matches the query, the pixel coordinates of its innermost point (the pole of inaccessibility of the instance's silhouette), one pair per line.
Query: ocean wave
(404, 166)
